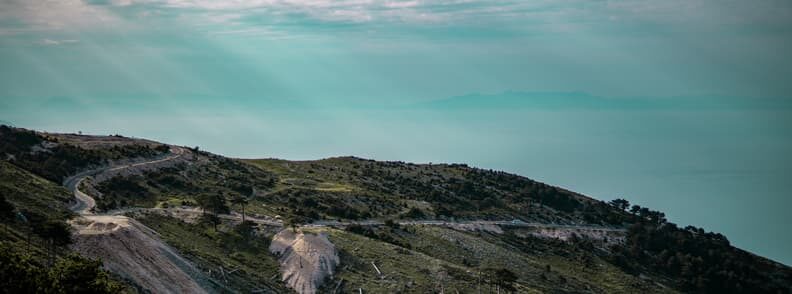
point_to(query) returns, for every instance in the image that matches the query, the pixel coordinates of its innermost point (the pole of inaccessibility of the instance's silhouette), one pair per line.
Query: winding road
(84, 205)
(137, 252)
(128, 247)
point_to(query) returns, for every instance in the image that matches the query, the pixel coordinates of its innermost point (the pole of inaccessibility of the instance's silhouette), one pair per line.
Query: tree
(6, 210)
(635, 209)
(292, 221)
(211, 219)
(242, 202)
(246, 229)
(415, 213)
(502, 278)
(58, 233)
(217, 204)
(243, 190)
(620, 203)
(698, 261)
(203, 202)
(74, 274)
(656, 217)
(19, 273)
(505, 279)
(392, 224)
(214, 203)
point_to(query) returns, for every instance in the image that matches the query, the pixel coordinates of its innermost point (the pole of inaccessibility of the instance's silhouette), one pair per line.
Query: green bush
(71, 274)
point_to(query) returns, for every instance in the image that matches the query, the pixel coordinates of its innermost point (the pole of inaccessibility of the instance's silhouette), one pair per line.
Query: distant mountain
(581, 100)
(521, 100)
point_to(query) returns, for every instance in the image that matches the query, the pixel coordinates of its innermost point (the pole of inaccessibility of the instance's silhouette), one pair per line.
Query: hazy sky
(681, 105)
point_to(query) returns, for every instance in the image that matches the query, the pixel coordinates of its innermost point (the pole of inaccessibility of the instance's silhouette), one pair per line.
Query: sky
(679, 105)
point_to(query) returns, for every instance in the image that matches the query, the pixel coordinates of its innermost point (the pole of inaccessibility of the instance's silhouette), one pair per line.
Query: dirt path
(127, 247)
(133, 251)
(84, 204)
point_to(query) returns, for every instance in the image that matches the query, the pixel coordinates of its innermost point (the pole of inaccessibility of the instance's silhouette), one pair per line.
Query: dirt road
(129, 248)
(84, 204)
(134, 251)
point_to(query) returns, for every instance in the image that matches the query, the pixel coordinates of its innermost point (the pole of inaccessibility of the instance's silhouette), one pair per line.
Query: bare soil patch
(135, 252)
(306, 260)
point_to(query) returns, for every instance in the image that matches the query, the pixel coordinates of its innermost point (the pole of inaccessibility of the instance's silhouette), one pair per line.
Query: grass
(435, 258)
(450, 190)
(403, 270)
(571, 267)
(175, 201)
(211, 249)
(211, 176)
(37, 201)
(334, 187)
(454, 257)
(306, 175)
(415, 259)
(33, 194)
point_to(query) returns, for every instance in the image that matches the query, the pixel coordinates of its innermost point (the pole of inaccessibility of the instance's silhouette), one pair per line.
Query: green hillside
(34, 257)
(398, 227)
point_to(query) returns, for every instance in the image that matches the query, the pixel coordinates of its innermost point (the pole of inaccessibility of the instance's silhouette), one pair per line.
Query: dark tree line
(24, 269)
(699, 261)
(70, 274)
(58, 160)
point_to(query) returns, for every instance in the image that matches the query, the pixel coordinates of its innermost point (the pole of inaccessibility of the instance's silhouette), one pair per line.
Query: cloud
(543, 13)
(401, 4)
(110, 2)
(266, 33)
(50, 42)
(524, 17)
(21, 17)
(257, 31)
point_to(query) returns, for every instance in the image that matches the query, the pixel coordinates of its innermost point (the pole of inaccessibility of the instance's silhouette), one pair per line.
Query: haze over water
(681, 106)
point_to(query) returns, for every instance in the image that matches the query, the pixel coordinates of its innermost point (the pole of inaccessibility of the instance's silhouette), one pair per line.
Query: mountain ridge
(408, 219)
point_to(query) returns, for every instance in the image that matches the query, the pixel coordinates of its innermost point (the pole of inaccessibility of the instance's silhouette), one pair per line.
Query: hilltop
(340, 225)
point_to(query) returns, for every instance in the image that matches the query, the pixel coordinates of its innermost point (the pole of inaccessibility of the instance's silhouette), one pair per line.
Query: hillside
(34, 239)
(394, 227)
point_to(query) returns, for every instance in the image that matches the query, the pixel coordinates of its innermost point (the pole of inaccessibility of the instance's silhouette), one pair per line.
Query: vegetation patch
(241, 250)
(34, 235)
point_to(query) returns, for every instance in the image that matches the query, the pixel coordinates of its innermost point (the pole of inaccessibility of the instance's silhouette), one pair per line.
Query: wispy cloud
(520, 15)
(51, 42)
(54, 15)
(256, 31)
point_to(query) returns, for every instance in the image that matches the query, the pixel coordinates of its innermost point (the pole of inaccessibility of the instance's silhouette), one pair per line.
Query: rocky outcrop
(306, 260)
